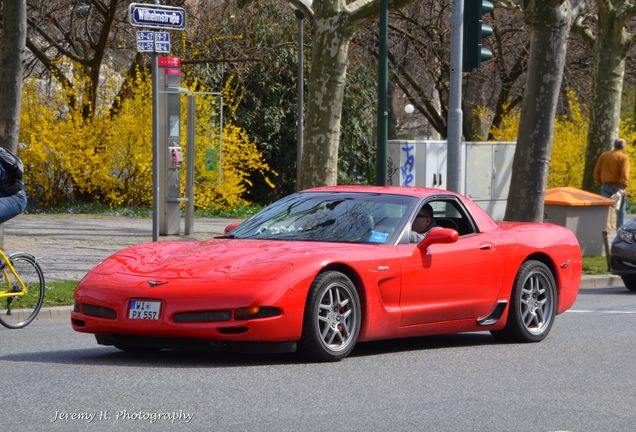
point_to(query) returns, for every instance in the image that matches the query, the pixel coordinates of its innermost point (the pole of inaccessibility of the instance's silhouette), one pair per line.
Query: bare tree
(13, 31)
(333, 25)
(420, 64)
(550, 23)
(612, 43)
(75, 35)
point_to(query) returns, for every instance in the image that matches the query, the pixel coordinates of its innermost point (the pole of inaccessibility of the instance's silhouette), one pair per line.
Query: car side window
(448, 213)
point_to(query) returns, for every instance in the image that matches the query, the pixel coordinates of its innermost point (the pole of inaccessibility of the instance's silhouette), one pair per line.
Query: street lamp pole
(300, 89)
(454, 173)
(300, 95)
(383, 86)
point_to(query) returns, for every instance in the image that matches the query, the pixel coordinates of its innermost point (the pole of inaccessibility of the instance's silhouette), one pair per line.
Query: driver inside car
(422, 224)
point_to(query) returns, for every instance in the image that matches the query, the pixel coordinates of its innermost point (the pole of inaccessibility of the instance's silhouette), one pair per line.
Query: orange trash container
(584, 213)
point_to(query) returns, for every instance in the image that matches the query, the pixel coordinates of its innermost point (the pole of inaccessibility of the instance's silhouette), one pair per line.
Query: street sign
(156, 16)
(162, 42)
(145, 41)
(148, 41)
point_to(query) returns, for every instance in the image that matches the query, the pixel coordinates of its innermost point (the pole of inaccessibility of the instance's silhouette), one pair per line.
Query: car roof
(417, 192)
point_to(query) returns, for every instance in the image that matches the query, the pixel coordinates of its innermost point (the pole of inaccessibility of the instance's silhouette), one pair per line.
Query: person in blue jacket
(13, 198)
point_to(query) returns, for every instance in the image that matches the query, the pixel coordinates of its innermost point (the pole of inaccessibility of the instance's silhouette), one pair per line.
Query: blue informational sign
(162, 47)
(148, 41)
(145, 36)
(162, 42)
(156, 16)
(162, 37)
(145, 46)
(145, 41)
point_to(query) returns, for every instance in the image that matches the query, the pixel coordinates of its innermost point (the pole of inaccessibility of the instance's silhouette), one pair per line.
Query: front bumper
(280, 328)
(144, 342)
(191, 310)
(623, 258)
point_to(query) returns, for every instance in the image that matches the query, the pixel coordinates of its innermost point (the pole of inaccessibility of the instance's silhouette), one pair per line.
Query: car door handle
(487, 246)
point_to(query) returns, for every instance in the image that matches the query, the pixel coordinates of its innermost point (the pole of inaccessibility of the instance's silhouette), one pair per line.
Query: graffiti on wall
(407, 164)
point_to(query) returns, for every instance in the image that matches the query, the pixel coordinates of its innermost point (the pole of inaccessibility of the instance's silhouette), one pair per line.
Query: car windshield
(330, 217)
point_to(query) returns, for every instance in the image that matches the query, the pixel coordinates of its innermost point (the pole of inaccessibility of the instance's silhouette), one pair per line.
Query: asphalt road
(581, 378)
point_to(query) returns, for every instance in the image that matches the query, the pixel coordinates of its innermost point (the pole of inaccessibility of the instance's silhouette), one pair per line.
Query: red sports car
(325, 268)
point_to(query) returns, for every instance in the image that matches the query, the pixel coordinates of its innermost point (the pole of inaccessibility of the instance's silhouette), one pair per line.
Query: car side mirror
(231, 226)
(438, 235)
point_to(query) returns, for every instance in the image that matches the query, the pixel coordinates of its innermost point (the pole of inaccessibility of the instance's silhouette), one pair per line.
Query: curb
(55, 314)
(601, 281)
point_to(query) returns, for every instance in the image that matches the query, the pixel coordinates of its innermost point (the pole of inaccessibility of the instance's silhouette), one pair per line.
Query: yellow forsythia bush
(569, 143)
(240, 156)
(109, 159)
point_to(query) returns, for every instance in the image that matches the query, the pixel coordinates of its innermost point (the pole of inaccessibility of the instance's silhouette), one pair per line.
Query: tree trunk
(12, 44)
(550, 25)
(607, 88)
(330, 46)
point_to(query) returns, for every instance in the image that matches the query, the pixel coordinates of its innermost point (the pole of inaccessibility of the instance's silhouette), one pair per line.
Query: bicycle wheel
(18, 311)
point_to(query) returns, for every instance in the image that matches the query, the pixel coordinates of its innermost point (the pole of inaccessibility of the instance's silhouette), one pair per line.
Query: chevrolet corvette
(325, 268)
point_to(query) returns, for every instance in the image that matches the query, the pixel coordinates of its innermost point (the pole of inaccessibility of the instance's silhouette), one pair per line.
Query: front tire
(533, 303)
(332, 318)
(630, 282)
(18, 311)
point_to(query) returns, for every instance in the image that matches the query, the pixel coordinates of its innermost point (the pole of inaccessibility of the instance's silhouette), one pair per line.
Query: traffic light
(474, 31)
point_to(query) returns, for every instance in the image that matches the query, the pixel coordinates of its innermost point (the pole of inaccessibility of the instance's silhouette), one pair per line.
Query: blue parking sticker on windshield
(378, 237)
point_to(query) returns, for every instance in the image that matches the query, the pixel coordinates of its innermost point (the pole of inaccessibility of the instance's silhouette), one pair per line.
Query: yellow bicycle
(21, 289)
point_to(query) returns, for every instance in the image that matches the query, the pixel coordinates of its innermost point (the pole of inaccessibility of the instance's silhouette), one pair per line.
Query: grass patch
(59, 293)
(55, 294)
(594, 265)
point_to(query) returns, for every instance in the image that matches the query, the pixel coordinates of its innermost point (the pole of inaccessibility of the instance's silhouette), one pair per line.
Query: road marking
(600, 311)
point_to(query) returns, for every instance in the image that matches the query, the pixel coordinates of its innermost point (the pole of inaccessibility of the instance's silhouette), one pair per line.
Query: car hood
(630, 226)
(236, 259)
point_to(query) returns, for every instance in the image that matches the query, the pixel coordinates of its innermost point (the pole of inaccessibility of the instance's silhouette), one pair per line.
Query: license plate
(144, 309)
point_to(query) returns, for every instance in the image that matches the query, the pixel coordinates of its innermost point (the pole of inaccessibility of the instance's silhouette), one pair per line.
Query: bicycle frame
(7, 291)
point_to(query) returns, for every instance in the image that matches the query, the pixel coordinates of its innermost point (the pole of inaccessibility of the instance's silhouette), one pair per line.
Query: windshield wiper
(226, 236)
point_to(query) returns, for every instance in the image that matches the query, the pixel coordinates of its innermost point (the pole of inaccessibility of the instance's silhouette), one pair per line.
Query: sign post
(154, 16)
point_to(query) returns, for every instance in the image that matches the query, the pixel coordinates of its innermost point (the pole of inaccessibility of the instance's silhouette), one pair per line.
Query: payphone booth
(170, 154)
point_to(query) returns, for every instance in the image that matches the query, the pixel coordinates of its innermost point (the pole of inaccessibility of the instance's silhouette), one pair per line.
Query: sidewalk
(67, 246)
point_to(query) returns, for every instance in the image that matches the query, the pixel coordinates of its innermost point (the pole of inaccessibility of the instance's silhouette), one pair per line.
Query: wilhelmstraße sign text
(156, 16)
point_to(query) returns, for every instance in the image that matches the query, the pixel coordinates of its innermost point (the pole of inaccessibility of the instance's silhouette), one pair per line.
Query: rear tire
(533, 304)
(18, 311)
(332, 318)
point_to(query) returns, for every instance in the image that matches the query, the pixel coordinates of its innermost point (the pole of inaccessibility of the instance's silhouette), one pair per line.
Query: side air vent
(494, 316)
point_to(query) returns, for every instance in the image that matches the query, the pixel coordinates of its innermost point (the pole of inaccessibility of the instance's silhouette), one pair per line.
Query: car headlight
(626, 236)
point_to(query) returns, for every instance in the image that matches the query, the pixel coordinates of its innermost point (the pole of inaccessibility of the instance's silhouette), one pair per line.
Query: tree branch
(426, 107)
(625, 12)
(101, 6)
(584, 31)
(220, 60)
(56, 45)
(362, 10)
(55, 71)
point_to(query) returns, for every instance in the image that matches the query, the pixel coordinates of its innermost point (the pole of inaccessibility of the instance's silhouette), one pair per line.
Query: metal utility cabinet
(487, 169)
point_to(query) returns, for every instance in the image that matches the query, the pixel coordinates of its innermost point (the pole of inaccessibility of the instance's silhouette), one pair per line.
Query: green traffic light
(474, 32)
